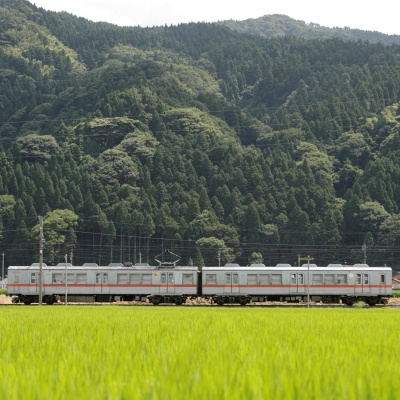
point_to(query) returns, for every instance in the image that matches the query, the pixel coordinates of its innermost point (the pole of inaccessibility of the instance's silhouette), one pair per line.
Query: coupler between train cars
(158, 299)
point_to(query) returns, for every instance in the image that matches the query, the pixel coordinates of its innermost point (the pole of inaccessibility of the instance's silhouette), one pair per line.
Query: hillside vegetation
(195, 138)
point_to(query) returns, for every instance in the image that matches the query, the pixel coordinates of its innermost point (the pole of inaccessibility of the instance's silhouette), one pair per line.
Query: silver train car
(231, 284)
(90, 282)
(332, 284)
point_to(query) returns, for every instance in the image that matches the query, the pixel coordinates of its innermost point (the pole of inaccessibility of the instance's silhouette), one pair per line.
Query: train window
(171, 277)
(58, 278)
(211, 279)
(329, 279)
(98, 278)
(70, 278)
(228, 279)
(16, 278)
(342, 279)
(252, 279)
(263, 279)
(382, 279)
(33, 278)
(293, 279)
(358, 280)
(276, 279)
(134, 279)
(163, 277)
(366, 279)
(301, 279)
(105, 278)
(122, 278)
(81, 278)
(235, 279)
(317, 279)
(146, 279)
(187, 279)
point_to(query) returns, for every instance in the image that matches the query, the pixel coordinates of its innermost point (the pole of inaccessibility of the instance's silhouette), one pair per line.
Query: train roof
(304, 267)
(95, 267)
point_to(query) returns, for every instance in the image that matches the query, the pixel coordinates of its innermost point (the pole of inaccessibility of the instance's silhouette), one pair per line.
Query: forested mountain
(195, 138)
(277, 25)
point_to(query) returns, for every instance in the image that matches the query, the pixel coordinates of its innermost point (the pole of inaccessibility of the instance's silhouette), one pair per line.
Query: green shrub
(3, 291)
(396, 293)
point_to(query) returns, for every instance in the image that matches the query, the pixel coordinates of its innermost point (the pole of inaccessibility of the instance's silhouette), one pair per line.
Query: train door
(297, 283)
(102, 284)
(34, 282)
(16, 282)
(362, 283)
(167, 282)
(231, 282)
(382, 284)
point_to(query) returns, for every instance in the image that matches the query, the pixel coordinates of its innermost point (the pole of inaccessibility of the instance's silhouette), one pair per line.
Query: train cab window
(252, 279)
(317, 279)
(171, 277)
(33, 278)
(211, 279)
(163, 277)
(81, 278)
(301, 279)
(366, 279)
(382, 279)
(263, 279)
(276, 279)
(341, 279)
(122, 278)
(134, 279)
(98, 278)
(358, 279)
(187, 279)
(146, 279)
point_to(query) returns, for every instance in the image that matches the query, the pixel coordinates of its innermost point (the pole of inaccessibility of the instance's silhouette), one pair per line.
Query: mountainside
(277, 25)
(195, 138)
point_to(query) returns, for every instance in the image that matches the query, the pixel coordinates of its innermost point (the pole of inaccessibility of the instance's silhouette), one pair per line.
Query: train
(222, 285)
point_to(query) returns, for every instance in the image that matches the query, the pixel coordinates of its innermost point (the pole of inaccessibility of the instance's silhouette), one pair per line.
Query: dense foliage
(195, 138)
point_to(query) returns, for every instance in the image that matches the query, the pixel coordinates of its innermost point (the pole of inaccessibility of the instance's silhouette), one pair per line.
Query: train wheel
(242, 301)
(155, 301)
(178, 301)
(27, 302)
(220, 301)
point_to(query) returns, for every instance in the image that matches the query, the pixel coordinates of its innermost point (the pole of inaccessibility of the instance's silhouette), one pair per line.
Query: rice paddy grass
(109, 352)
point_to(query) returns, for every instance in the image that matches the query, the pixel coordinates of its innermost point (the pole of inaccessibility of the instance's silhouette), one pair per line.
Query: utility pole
(308, 258)
(364, 249)
(41, 240)
(66, 280)
(2, 267)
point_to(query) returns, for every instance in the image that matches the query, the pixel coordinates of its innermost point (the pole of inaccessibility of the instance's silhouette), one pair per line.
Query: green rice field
(111, 352)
